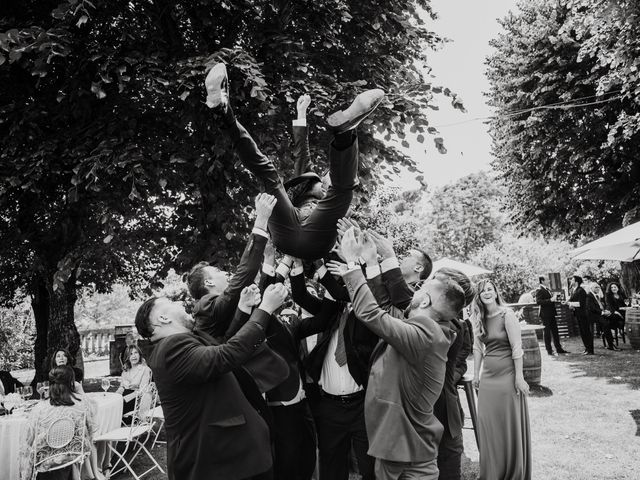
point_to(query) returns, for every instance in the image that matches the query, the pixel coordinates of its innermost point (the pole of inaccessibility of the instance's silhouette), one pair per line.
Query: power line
(565, 105)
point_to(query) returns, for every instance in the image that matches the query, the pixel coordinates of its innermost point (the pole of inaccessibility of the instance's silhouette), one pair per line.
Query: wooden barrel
(632, 326)
(531, 361)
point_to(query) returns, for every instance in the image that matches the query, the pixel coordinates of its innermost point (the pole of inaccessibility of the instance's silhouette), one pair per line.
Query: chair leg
(157, 465)
(121, 456)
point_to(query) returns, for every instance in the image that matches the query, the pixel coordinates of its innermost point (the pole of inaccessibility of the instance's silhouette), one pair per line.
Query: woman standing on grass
(503, 415)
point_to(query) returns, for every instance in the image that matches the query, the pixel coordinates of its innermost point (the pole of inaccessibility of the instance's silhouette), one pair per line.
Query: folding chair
(134, 436)
(64, 445)
(157, 414)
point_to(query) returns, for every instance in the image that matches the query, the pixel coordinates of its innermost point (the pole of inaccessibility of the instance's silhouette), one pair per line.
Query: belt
(352, 397)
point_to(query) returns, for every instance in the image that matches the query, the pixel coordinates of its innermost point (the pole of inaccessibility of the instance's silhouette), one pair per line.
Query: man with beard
(408, 366)
(213, 427)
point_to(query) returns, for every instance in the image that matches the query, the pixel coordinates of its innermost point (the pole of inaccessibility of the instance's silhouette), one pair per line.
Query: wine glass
(40, 389)
(28, 392)
(106, 384)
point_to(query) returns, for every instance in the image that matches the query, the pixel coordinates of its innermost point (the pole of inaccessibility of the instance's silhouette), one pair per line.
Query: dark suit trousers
(605, 326)
(584, 325)
(294, 439)
(551, 331)
(449, 455)
(314, 236)
(340, 425)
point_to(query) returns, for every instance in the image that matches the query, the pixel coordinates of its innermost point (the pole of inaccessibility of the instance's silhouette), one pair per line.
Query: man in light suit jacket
(212, 417)
(408, 368)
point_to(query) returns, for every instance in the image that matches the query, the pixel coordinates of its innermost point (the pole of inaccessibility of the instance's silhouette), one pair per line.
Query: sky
(459, 65)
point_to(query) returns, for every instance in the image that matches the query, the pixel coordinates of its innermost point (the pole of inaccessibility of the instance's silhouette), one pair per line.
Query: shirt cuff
(389, 264)
(297, 270)
(372, 271)
(300, 122)
(269, 269)
(283, 269)
(322, 271)
(259, 231)
(244, 309)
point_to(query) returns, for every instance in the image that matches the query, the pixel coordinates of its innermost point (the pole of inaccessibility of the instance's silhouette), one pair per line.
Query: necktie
(341, 352)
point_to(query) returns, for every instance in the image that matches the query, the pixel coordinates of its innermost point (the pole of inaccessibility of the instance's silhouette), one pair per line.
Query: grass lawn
(585, 422)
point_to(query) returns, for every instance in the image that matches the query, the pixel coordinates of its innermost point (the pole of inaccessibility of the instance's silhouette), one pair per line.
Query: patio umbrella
(622, 252)
(615, 242)
(470, 270)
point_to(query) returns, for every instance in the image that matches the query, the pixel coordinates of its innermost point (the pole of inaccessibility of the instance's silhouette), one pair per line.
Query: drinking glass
(106, 383)
(28, 392)
(40, 389)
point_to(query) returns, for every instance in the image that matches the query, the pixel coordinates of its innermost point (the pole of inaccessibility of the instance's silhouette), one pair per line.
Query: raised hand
(337, 268)
(383, 244)
(303, 103)
(273, 298)
(249, 298)
(264, 207)
(345, 224)
(369, 250)
(351, 245)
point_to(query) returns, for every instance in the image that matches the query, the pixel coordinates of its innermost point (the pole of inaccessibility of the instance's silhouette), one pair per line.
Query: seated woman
(63, 403)
(62, 357)
(136, 376)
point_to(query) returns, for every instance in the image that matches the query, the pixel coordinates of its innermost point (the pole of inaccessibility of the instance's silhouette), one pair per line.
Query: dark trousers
(551, 331)
(605, 327)
(314, 236)
(62, 474)
(449, 456)
(340, 425)
(584, 325)
(294, 439)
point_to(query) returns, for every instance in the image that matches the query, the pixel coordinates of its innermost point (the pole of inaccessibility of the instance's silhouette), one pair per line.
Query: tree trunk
(40, 306)
(62, 332)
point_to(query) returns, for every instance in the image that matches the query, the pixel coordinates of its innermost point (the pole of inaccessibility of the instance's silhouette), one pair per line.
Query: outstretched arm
(300, 149)
(251, 259)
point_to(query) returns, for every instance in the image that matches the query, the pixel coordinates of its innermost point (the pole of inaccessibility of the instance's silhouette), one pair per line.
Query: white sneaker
(217, 85)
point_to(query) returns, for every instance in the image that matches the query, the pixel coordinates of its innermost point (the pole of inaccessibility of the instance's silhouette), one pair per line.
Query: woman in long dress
(503, 415)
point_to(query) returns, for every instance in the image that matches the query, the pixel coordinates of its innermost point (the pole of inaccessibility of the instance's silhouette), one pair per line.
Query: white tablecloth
(108, 417)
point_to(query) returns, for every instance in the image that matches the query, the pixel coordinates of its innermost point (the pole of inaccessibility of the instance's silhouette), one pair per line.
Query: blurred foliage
(16, 337)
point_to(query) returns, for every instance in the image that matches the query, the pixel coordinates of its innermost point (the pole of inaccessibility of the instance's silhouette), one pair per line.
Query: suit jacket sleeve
(463, 353)
(302, 297)
(408, 338)
(300, 149)
(239, 319)
(381, 294)
(246, 272)
(305, 327)
(400, 294)
(337, 291)
(189, 361)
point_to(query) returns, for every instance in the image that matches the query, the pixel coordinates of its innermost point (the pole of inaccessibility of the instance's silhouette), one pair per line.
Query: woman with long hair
(503, 415)
(62, 357)
(64, 402)
(135, 377)
(615, 299)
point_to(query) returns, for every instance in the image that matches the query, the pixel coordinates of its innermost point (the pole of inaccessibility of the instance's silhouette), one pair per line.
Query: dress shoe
(217, 85)
(563, 352)
(551, 354)
(361, 107)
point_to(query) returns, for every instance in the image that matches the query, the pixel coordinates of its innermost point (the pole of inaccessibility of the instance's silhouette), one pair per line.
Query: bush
(17, 332)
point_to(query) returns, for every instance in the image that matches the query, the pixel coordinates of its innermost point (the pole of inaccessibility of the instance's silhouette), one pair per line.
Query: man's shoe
(563, 352)
(361, 107)
(551, 354)
(217, 85)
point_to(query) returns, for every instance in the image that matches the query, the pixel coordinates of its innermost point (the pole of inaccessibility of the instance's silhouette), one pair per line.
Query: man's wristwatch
(351, 266)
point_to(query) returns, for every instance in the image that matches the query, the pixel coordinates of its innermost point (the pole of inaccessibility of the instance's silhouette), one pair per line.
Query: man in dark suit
(547, 313)
(408, 367)
(579, 296)
(213, 427)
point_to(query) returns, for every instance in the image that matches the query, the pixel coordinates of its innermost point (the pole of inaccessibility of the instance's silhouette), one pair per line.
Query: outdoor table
(12, 427)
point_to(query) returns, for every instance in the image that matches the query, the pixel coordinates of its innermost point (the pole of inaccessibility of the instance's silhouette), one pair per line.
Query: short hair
(453, 291)
(427, 264)
(195, 280)
(577, 279)
(143, 320)
(541, 279)
(461, 279)
(62, 386)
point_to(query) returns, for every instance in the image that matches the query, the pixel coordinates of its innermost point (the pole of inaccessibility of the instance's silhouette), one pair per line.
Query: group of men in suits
(370, 367)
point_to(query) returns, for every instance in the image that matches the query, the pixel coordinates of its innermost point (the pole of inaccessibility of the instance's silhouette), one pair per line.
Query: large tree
(111, 165)
(564, 82)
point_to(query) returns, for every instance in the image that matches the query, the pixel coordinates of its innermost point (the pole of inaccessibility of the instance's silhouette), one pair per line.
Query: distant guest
(62, 357)
(135, 377)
